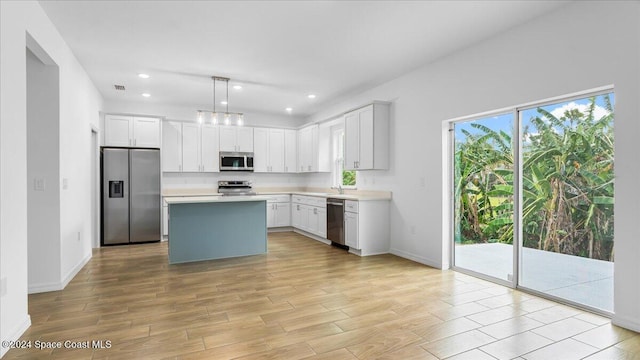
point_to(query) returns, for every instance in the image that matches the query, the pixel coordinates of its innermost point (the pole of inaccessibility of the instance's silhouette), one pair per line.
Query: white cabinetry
(278, 211)
(189, 147)
(236, 138)
(313, 149)
(290, 151)
(269, 150)
(131, 131)
(171, 146)
(366, 227)
(367, 138)
(200, 148)
(309, 213)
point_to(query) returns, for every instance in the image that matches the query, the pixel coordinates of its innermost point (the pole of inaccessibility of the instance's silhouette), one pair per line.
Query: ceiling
(279, 51)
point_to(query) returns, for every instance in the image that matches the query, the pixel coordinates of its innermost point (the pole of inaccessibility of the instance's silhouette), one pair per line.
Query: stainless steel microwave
(236, 161)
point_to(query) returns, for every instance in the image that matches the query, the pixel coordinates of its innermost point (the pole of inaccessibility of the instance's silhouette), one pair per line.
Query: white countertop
(172, 194)
(212, 199)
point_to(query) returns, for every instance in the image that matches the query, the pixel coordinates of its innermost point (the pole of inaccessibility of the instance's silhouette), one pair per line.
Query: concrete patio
(581, 280)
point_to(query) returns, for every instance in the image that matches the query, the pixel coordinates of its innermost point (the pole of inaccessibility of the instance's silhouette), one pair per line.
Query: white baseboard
(15, 333)
(312, 236)
(416, 258)
(55, 286)
(625, 322)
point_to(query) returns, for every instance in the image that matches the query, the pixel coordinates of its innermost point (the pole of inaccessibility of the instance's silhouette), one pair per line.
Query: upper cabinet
(366, 143)
(131, 131)
(314, 153)
(290, 151)
(236, 138)
(189, 147)
(171, 146)
(269, 150)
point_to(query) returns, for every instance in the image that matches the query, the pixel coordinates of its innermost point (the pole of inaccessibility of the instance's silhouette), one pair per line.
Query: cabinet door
(209, 156)
(295, 216)
(351, 230)
(313, 220)
(365, 152)
(244, 139)
(261, 150)
(322, 222)
(276, 150)
(315, 137)
(304, 150)
(171, 146)
(146, 132)
(191, 147)
(283, 214)
(271, 215)
(228, 138)
(290, 151)
(118, 130)
(351, 140)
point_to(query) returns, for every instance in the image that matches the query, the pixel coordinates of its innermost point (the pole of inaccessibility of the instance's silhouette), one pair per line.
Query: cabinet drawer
(351, 206)
(298, 199)
(318, 202)
(277, 198)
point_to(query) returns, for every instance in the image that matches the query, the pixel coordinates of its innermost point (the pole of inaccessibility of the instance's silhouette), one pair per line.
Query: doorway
(533, 198)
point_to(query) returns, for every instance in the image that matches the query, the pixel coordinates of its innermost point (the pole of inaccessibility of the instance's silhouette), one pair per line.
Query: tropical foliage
(348, 177)
(567, 181)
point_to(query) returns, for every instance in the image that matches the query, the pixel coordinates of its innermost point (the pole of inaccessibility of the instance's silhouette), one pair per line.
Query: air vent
(119, 87)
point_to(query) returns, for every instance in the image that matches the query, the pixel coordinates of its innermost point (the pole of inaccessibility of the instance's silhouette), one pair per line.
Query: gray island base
(215, 227)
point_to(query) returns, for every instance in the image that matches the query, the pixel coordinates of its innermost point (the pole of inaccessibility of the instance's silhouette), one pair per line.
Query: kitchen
(457, 79)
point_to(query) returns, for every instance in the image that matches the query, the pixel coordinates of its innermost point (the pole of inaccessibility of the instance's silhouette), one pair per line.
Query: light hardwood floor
(306, 300)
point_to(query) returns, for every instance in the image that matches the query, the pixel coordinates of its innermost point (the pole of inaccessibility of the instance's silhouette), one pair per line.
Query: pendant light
(229, 118)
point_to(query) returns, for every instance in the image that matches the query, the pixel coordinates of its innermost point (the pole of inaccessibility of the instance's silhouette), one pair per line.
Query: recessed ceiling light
(237, 87)
(143, 76)
(289, 109)
(223, 102)
(146, 94)
(311, 96)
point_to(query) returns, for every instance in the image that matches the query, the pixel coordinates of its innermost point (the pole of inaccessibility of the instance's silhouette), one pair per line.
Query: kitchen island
(216, 227)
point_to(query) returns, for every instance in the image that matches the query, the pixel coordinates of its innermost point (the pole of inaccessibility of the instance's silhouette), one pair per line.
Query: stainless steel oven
(335, 220)
(236, 161)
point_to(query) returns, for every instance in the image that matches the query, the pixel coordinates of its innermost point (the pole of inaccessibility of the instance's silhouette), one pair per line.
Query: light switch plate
(38, 184)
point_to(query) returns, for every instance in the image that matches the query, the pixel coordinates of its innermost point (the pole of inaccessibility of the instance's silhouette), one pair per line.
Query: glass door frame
(516, 200)
(515, 281)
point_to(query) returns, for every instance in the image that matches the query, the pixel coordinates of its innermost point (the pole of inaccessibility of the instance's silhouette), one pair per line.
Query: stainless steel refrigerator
(131, 203)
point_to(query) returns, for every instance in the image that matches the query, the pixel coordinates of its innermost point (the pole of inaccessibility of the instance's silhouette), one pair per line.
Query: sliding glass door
(567, 200)
(483, 196)
(563, 213)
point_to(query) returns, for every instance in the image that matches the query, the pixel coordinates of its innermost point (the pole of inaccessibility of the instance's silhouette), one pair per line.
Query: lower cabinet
(278, 211)
(309, 213)
(165, 219)
(351, 230)
(366, 226)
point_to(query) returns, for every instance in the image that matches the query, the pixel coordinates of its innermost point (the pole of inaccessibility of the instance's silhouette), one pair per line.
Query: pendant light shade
(213, 114)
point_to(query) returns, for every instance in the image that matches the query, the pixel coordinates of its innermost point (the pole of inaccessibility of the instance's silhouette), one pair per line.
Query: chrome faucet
(339, 188)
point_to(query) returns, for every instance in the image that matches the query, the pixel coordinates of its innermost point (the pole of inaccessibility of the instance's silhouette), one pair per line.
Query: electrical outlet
(78, 235)
(65, 184)
(423, 182)
(3, 286)
(412, 228)
(510, 277)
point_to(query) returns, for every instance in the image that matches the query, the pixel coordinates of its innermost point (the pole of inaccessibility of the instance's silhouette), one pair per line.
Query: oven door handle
(335, 204)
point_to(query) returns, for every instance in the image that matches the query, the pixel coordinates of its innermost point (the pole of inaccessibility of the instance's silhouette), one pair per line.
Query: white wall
(80, 104)
(43, 163)
(579, 47)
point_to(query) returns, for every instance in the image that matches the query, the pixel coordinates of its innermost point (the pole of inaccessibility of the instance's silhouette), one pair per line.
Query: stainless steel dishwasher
(335, 220)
